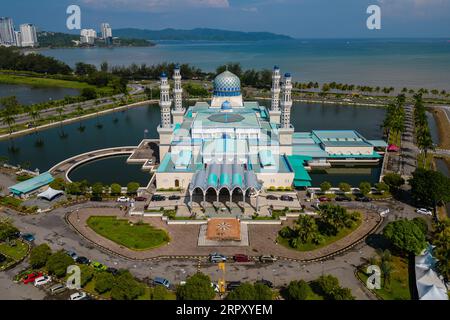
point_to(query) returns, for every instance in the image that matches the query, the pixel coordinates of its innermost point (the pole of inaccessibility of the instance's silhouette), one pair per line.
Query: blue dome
(163, 75)
(287, 75)
(177, 67)
(276, 68)
(227, 84)
(226, 106)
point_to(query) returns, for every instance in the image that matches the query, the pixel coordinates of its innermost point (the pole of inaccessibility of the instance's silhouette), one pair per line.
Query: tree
(126, 287)
(161, 293)
(89, 93)
(298, 290)
(405, 235)
(8, 119)
(116, 189)
(97, 190)
(7, 229)
(104, 282)
(429, 188)
(305, 228)
(365, 187)
(132, 187)
(197, 287)
(330, 289)
(87, 274)
(39, 255)
(58, 262)
(248, 291)
(345, 187)
(325, 186)
(441, 239)
(394, 181)
(34, 114)
(382, 187)
(73, 188)
(58, 184)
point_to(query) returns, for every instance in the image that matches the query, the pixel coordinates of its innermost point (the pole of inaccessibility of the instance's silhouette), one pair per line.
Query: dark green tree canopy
(429, 188)
(197, 287)
(406, 235)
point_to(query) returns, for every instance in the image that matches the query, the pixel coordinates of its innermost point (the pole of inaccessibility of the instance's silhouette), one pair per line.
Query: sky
(296, 18)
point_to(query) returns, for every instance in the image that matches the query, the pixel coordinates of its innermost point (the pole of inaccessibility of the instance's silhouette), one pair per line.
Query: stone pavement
(184, 238)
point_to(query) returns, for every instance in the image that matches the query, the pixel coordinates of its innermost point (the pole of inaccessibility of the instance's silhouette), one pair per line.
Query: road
(52, 229)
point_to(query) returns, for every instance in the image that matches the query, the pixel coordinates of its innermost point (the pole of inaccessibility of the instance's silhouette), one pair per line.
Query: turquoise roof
(302, 177)
(237, 180)
(224, 179)
(32, 184)
(266, 158)
(212, 180)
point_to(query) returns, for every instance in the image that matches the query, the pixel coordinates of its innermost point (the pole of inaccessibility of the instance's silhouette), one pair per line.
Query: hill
(199, 34)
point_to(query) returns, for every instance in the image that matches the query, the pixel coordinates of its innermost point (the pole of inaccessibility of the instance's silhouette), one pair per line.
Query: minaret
(286, 130)
(286, 101)
(274, 111)
(165, 102)
(178, 112)
(165, 130)
(275, 106)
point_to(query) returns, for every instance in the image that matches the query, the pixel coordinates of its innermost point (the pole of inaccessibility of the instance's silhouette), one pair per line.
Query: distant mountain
(199, 34)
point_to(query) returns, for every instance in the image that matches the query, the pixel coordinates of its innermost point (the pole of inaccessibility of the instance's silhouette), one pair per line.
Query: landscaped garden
(310, 233)
(135, 236)
(11, 248)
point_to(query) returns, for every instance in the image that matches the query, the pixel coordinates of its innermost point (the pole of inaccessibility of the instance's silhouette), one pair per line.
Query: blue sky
(297, 18)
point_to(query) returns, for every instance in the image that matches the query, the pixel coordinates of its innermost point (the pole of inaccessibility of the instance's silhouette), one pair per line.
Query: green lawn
(42, 82)
(398, 287)
(139, 236)
(328, 239)
(10, 201)
(13, 253)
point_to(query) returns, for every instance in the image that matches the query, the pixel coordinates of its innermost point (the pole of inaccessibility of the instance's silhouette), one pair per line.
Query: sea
(411, 63)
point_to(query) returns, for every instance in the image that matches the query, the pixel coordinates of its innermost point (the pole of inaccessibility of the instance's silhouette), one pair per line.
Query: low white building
(88, 36)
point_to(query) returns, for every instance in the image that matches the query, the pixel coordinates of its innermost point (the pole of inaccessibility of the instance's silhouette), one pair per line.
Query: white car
(424, 211)
(78, 296)
(42, 280)
(215, 286)
(123, 199)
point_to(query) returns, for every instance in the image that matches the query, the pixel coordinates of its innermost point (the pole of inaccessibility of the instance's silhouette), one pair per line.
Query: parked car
(216, 257)
(140, 199)
(241, 258)
(57, 289)
(72, 254)
(42, 280)
(233, 285)
(78, 296)
(83, 260)
(424, 211)
(174, 197)
(215, 286)
(31, 277)
(286, 198)
(99, 266)
(123, 199)
(324, 199)
(343, 198)
(271, 197)
(267, 258)
(161, 282)
(28, 237)
(265, 282)
(363, 199)
(156, 197)
(113, 271)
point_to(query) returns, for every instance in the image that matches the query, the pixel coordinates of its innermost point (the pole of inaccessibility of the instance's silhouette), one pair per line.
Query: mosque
(239, 147)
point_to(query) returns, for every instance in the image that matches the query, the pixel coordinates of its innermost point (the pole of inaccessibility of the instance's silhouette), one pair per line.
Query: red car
(31, 277)
(140, 199)
(324, 199)
(241, 258)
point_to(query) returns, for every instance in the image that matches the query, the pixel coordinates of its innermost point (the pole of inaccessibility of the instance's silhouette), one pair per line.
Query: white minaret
(177, 90)
(286, 101)
(276, 77)
(165, 102)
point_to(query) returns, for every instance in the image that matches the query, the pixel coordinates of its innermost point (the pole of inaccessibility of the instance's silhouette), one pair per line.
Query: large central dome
(227, 84)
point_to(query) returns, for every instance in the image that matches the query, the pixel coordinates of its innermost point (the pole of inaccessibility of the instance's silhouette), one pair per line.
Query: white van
(42, 280)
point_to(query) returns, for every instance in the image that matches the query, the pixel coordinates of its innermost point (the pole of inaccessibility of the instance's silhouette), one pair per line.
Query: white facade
(88, 36)
(106, 31)
(7, 37)
(286, 101)
(165, 102)
(178, 90)
(276, 77)
(18, 37)
(28, 35)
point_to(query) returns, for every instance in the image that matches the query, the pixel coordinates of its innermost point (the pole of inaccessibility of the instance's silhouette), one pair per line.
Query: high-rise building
(106, 33)
(28, 35)
(88, 36)
(7, 36)
(18, 37)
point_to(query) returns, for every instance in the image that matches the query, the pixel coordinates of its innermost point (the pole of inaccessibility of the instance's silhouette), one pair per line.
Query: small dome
(163, 75)
(227, 84)
(276, 68)
(287, 75)
(226, 106)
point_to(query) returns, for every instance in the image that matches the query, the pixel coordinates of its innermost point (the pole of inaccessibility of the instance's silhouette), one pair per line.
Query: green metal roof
(296, 163)
(32, 184)
(212, 180)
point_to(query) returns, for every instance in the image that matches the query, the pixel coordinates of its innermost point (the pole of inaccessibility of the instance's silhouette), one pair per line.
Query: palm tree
(60, 111)
(386, 269)
(8, 119)
(34, 115)
(305, 228)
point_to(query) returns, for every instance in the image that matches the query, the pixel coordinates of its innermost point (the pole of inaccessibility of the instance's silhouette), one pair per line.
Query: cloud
(417, 7)
(156, 5)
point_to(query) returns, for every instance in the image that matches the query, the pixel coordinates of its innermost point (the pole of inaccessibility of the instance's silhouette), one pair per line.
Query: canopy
(32, 184)
(50, 194)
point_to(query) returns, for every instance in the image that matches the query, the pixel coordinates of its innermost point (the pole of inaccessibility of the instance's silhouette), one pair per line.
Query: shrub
(298, 290)
(39, 255)
(58, 262)
(325, 186)
(104, 282)
(197, 287)
(126, 287)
